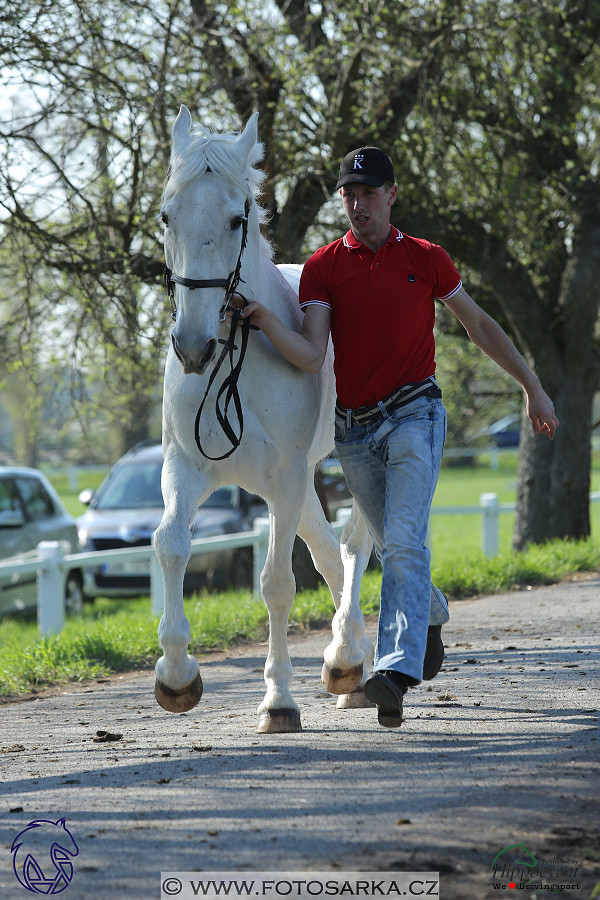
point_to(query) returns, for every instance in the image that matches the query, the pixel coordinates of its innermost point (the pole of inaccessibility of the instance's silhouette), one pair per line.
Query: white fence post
(260, 550)
(490, 509)
(342, 515)
(157, 585)
(51, 584)
(73, 479)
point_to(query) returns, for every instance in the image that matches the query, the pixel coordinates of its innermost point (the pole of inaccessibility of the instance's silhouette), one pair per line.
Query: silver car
(30, 512)
(126, 510)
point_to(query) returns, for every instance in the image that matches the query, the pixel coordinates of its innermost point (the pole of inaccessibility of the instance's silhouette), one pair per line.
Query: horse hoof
(356, 699)
(178, 701)
(341, 681)
(279, 721)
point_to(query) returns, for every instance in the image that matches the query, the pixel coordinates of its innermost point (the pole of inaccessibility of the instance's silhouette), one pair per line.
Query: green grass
(546, 564)
(118, 635)
(460, 536)
(71, 498)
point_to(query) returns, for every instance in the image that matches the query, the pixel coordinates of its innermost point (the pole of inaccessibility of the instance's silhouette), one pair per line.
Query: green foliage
(490, 110)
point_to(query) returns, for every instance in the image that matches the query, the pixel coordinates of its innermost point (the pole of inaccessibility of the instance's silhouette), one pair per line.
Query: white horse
(208, 203)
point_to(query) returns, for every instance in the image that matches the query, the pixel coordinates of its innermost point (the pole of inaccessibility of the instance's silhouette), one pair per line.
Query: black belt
(364, 415)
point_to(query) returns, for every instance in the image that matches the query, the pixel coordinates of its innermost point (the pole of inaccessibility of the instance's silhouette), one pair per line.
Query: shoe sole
(389, 718)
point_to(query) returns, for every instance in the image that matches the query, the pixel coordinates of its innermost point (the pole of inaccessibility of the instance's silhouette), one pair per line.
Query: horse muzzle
(192, 362)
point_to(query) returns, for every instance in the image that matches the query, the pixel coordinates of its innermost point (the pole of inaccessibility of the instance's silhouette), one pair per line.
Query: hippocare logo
(42, 855)
(518, 850)
(515, 868)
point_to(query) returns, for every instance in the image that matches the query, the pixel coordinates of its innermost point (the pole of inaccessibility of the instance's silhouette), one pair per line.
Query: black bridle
(230, 384)
(230, 284)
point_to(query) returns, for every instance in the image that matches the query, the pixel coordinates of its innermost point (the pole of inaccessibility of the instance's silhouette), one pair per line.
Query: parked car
(126, 510)
(30, 512)
(505, 432)
(334, 484)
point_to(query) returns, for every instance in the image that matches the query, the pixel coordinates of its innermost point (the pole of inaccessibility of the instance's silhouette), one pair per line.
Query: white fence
(52, 566)
(489, 509)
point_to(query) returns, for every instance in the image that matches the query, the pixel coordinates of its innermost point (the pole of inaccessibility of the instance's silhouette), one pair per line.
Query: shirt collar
(352, 244)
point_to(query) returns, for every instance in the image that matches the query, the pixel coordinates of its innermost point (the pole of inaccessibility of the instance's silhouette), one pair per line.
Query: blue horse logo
(50, 871)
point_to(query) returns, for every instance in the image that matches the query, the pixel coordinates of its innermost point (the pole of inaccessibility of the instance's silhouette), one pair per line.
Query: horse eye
(235, 223)
(165, 219)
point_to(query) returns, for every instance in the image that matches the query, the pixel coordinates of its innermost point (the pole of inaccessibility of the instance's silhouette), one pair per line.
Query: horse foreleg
(278, 712)
(349, 657)
(178, 685)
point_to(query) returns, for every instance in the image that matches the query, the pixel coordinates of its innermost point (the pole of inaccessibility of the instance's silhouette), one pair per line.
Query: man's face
(367, 207)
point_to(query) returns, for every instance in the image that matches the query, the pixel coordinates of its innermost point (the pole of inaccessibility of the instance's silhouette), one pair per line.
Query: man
(374, 290)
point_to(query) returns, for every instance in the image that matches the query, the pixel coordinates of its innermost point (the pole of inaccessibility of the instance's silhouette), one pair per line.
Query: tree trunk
(554, 476)
(135, 428)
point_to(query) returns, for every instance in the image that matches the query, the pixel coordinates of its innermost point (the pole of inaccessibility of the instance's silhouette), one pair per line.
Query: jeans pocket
(340, 429)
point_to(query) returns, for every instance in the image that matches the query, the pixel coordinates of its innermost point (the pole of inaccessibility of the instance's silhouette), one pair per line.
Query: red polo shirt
(382, 310)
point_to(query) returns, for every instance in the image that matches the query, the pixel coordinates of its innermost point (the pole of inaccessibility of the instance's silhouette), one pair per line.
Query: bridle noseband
(230, 384)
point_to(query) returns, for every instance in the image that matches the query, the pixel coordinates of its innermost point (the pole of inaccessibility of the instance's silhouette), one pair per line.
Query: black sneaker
(434, 653)
(387, 690)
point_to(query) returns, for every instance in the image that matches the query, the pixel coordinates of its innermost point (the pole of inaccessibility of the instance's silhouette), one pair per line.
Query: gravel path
(501, 748)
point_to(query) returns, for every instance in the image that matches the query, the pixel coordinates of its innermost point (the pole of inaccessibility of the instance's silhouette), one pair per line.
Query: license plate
(127, 568)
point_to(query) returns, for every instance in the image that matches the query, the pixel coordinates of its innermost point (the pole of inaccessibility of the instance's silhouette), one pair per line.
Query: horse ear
(181, 130)
(248, 137)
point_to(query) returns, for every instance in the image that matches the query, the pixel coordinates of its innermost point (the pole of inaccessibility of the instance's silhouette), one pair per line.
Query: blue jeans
(392, 467)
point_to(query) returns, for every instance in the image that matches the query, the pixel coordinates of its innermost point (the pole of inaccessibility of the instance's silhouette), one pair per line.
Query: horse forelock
(217, 153)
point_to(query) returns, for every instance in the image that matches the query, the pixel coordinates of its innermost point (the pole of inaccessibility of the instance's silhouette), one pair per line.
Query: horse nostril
(176, 349)
(209, 352)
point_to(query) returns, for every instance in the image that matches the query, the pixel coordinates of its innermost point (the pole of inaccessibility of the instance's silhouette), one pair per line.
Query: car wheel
(74, 594)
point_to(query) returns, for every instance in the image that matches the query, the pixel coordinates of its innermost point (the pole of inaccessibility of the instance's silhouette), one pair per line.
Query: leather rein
(229, 386)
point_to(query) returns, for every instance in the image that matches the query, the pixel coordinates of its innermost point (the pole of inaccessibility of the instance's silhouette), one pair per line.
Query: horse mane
(216, 153)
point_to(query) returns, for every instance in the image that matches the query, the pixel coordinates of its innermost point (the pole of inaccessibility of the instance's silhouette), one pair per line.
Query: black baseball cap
(367, 165)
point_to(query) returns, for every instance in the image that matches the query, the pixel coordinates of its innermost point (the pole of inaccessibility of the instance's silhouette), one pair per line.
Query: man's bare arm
(305, 350)
(489, 337)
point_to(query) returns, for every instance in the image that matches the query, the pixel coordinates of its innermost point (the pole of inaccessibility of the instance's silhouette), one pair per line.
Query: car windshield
(136, 485)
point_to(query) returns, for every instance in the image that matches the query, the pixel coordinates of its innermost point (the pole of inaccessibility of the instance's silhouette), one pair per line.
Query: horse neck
(263, 281)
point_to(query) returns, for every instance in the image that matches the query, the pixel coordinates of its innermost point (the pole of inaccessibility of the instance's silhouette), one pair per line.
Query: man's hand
(257, 312)
(540, 411)
(306, 350)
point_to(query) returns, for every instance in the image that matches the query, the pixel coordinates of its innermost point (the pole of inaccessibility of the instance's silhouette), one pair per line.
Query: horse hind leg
(344, 660)
(178, 686)
(356, 546)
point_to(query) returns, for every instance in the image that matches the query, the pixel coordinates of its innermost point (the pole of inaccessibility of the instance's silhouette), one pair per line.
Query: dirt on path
(500, 749)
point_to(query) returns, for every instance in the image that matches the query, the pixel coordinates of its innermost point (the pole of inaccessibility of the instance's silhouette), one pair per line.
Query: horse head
(204, 209)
